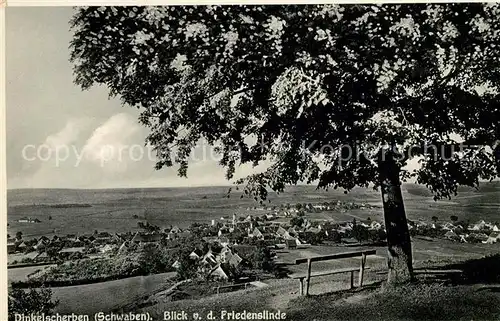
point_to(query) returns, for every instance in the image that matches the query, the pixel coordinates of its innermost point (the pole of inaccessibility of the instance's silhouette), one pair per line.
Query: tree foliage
(30, 301)
(304, 88)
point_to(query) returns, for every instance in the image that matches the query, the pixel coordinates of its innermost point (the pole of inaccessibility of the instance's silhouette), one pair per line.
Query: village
(234, 248)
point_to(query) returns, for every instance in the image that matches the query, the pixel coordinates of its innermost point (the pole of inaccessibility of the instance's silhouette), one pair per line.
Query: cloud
(67, 135)
(110, 143)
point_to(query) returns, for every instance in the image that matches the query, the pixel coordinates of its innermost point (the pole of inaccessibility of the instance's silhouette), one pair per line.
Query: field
(106, 296)
(21, 274)
(114, 209)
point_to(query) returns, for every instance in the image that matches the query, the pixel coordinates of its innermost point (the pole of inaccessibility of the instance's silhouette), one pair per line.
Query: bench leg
(352, 279)
(308, 280)
(362, 270)
(301, 286)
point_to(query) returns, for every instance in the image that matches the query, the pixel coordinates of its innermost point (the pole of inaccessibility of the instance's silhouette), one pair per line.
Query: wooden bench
(307, 276)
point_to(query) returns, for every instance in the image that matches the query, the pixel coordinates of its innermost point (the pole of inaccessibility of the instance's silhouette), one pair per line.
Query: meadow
(107, 296)
(119, 210)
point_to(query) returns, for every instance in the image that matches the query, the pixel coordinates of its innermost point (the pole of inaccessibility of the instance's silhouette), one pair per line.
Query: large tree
(337, 95)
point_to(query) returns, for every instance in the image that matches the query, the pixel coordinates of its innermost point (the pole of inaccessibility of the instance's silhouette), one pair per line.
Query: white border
(31, 3)
(3, 171)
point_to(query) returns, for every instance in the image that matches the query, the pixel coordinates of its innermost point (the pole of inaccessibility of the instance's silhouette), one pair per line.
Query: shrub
(30, 301)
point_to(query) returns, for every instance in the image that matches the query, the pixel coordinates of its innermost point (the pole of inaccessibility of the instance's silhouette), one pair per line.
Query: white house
(451, 235)
(479, 226)
(375, 225)
(448, 226)
(493, 238)
(176, 264)
(196, 254)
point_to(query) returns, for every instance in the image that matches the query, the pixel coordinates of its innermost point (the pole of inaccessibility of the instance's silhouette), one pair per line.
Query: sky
(59, 136)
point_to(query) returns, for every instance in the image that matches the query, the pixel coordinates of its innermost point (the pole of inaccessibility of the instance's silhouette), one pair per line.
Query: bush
(360, 233)
(261, 258)
(483, 270)
(314, 238)
(297, 221)
(334, 236)
(30, 301)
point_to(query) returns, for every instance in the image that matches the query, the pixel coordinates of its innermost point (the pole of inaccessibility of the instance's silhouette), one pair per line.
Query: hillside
(113, 210)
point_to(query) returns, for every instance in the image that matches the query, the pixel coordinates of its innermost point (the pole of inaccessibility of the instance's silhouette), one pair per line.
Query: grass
(106, 296)
(21, 274)
(414, 302)
(468, 298)
(252, 300)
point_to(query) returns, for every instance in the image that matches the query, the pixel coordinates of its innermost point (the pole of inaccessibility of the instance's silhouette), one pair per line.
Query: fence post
(362, 269)
(308, 280)
(352, 279)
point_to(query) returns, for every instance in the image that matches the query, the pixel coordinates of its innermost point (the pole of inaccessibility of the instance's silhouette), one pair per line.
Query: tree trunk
(399, 258)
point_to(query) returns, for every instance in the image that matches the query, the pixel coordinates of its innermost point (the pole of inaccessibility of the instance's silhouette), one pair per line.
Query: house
(30, 255)
(495, 228)
(225, 255)
(175, 229)
(291, 244)
(292, 232)
(224, 241)
(235, 260)
(270, 216)
(223, 231)
(209, 259)
(281, 232)
(123, 248)
(420, 224)
(107, 248)
(41, 256)
(210, 239)
(21, 246)
(103, 236)
(313, 230)
(364, 224)
(219, 273)
(177, 233)
(71, 250)
(374, 225)
(257, 233)
(196, 254)
(41, 244)
(448, 226)
(11, 246)
(146, 238)
(450, 235)
(28, 220)
(183, 234)
(176, 264)
(117, 239)
(479, 226)
(493, 238)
